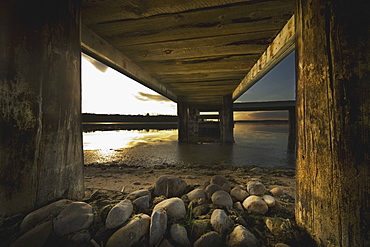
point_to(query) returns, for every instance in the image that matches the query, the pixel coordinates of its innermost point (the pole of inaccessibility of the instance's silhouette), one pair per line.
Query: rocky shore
(220, 211)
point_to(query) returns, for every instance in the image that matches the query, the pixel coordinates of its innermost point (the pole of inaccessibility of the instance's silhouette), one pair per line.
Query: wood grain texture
(333, 115)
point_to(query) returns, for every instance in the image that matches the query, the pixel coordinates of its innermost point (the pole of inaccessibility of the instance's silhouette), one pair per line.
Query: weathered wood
(193, 125)
(292, 137)
(265, 105)
(40, 104)
(227, 120)
(98, 48)
(282, 45)
(333, 114)
(188, 122)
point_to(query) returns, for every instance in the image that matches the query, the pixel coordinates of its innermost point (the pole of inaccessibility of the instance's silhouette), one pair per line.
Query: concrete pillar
(188, 122)
(227, 120)
(333, 116)
(41, 156)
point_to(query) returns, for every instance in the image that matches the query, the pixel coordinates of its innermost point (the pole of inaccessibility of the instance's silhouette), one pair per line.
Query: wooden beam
(282, 45)
(265, 106)
(96, 47)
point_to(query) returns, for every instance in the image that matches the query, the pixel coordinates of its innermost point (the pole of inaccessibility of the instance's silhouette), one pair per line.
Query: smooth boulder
(196, 194)
(169, 186)
(118, 215)
(222, 198)
(239, 193)
(221, 222)
(255, 187)
(255, 204)
(158, 226)
(174, 207)
(240, 236)
(221, 181)
(180, 235)
(210, 239)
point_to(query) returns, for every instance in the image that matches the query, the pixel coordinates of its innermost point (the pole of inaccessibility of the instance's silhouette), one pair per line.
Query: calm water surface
(261, 144)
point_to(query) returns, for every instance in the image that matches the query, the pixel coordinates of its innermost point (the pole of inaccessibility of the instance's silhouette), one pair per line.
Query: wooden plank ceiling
(198, 49)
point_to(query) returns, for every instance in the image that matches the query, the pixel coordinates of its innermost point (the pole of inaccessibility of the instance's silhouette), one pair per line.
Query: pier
(203, 55)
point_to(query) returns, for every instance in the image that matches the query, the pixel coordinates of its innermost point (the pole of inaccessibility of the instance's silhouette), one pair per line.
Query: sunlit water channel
(256, 143)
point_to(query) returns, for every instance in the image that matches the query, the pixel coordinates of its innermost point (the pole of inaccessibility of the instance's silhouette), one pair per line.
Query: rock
(37, 236)
(255, 204)
(221, 222)
(195, 194)
(200, 210)
(277, 207)
(45, 213)
(158, 225)
(256, 188)
(212, 188)
(170, 186)
(281, 245)
(165, 243)
(198, 228)
(238, 206)
(240, 236)
(277, 225)
(174, 207)
(277, 191)
(75, 217)
(80, 238)
(239, 193)
(222, 198)
(180, 235)
(256, 169)
(130, 234)
(142, 202)
(118, 215)
(270, 201)
(221, 181)
(210, 239)
(138, 193)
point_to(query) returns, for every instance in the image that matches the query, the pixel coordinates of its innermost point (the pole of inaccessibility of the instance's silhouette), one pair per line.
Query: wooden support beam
(333, 116)
(96, 47)
(188, 122)
(227, 120)
(281, 46)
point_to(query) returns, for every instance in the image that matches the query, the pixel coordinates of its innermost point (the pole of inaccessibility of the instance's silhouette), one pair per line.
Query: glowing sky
(106, 91)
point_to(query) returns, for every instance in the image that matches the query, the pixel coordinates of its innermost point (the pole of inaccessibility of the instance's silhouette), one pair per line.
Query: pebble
(138, 193)
(210, 239)
(174, 207)
(239, 193)
(277, 207)
(198, 228)
(222, 198)
(119, 214)
(255, 204)
(45, 213)
(130, 234)
(180, 235)
(35, 237)
(277, 191)
(281, 245)
(75, 217)
(196, 193)
(158, 225)
(270, 201)
(221, 222)
(238, 206)
(256, 188)
(221, 181)
(142, 203)
(169, 186)
(240, 236)
(212, 188)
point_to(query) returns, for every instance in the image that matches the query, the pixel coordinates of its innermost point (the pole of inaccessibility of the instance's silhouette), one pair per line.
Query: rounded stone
(222, 198)
(169, 186)
(142, 202)
(158, 225)
(255, 204)
(131, 233)
(137, 194)
(196, 194)
(174, 207)
(270, 201)
(277, 207)
(221, 181)
(75, 217)
(239, 193)
(210, 239)
(281, 245)
(118, 215)
(180, 235)
(221, 222)
(256, 188)
(240, 236)
(277, 191)
(37, 236)
(212, 188)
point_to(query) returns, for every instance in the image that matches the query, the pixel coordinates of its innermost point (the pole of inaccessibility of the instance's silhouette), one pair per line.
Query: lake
(261, 144)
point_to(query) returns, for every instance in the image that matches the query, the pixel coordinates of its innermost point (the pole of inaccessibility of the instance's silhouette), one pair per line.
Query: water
(256, 143)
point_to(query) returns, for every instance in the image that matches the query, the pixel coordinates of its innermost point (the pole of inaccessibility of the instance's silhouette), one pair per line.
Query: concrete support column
(227, 120)
(188, 122)
(41, 156)
(333, 116)
(292, 129)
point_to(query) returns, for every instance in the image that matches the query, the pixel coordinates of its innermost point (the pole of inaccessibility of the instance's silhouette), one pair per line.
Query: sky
(106, 91)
